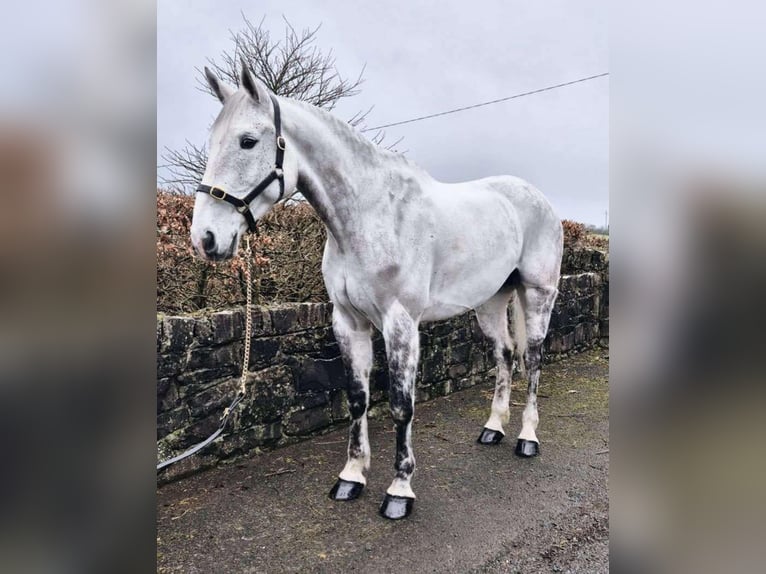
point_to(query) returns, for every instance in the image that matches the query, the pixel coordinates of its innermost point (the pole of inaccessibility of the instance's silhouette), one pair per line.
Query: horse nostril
(208, 243)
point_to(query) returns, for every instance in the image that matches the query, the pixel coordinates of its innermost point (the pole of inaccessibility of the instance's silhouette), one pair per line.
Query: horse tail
(519, 329)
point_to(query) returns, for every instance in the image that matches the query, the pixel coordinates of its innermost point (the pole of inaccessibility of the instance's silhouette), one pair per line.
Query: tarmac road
(479, 508)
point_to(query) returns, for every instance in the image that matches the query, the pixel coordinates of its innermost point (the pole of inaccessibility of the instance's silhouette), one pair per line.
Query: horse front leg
(400, 332)
(354, 336)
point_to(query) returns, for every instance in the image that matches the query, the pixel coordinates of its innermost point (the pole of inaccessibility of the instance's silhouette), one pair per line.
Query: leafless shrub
(292, 66)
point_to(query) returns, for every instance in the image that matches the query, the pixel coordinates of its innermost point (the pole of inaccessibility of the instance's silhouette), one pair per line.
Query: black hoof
(527, 448)
(396, 507)
(346, 490)
(489, 436)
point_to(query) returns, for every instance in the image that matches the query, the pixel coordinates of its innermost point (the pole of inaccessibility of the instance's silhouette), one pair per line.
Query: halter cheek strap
(243, 205)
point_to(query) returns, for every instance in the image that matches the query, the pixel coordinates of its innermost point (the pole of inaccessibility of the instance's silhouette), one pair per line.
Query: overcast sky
(424, 57)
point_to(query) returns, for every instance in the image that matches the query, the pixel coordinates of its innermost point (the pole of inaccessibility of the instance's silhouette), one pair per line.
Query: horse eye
(247, 143)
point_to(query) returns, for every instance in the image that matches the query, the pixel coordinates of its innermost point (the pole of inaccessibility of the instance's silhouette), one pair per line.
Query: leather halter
(243, 205)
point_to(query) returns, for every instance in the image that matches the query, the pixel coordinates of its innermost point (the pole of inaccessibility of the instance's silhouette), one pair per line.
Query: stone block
(457, 371)
(169, 365)
(476, 359)
(422, 394)
(192, 382)
(460, 353)
(579, 334)
(312, 399)
(568, 342)
(167, 395)
(178, 334)
(319, 314)
(305, 342)
(215, 357)
(433, 365)
(316, 374)
(306, 421)
(261, 320)
(249, 438)
(339, 406)
(270, 395)
(263, 352)
(172, 421)
(213, 399)
(284, 320)
(227, 326)
(329, 350)
(440, 329)
(464, 383)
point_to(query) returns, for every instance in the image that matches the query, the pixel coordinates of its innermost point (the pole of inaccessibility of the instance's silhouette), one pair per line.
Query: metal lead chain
(248, 255)
(245, 361)
(248, 312)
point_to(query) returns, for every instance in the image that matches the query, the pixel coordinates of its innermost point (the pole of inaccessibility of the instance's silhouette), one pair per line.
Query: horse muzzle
(209, 247)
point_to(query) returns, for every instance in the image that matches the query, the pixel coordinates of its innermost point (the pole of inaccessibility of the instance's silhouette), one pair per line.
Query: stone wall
(296, 378)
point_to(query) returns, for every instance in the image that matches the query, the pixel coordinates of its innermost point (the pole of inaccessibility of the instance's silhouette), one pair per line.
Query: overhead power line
(548, 88)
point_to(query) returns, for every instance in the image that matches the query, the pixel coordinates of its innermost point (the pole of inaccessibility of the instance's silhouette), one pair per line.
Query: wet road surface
(479, 508)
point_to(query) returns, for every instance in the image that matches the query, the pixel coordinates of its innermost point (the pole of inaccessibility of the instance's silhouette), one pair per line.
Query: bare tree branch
(293, 66)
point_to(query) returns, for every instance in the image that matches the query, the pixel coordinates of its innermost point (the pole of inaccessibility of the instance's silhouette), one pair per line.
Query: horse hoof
(527, 448)
(346, 490)
(489, 436)
(396, 507)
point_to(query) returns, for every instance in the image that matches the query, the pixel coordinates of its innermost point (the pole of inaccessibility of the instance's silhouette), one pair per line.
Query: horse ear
(219, 88)
(253, 86)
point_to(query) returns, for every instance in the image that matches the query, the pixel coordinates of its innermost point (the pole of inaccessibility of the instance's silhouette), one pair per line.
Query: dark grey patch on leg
(355, 439)
(357, 399)
(533, 359)
(403, 463)
(507, 354)
(400, 398)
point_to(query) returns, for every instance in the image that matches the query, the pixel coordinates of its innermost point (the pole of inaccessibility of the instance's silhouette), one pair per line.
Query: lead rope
(248, 320)
(248, 254)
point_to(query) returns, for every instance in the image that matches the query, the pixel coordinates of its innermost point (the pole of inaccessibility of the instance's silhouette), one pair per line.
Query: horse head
(248, 167)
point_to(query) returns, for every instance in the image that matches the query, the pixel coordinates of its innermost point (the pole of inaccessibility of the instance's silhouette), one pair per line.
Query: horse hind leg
(493, 321)
(537, 305)
(355, 342)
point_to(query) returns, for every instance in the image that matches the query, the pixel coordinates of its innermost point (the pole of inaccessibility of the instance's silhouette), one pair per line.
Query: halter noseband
(243, 205)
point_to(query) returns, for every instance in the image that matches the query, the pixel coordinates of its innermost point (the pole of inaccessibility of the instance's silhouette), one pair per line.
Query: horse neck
(339, 171)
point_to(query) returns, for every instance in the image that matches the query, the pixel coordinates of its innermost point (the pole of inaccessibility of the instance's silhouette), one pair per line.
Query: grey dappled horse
(402, 248)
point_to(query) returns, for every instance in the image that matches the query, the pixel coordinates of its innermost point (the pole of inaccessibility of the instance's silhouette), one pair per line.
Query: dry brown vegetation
(287, 259)
(577, 235)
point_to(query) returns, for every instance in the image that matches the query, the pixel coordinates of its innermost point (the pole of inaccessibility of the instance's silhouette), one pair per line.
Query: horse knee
(402, 413)
(357, 402)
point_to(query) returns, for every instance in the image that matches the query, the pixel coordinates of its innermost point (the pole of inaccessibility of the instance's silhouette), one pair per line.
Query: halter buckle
(281, 143)
(243, 208)
(279, 172)
(218, 189)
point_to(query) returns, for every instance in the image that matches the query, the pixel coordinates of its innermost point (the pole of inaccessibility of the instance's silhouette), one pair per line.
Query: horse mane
(353, 136)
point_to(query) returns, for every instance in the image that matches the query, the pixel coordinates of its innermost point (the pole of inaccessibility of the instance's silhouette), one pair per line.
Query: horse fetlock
(401, 487)
(498, 419)
(356, 470)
